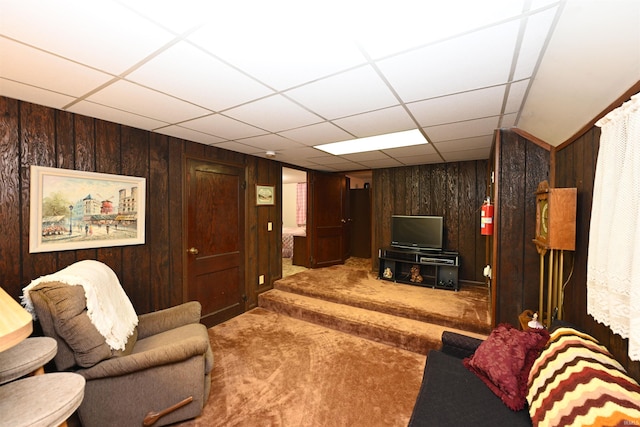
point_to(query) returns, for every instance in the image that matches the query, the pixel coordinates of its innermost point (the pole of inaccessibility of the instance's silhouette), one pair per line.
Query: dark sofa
(452, 395)
(571, 377)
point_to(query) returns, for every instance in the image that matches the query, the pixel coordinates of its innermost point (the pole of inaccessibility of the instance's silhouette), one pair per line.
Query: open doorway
(360, 213)
(294, 219)
(295, 256)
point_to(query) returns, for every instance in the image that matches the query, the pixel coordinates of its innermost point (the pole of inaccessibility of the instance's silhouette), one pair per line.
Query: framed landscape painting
(79, 210)
(265, 195)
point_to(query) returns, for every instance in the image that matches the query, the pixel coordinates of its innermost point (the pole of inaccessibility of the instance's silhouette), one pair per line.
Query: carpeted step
(408, 334)
(467, 310)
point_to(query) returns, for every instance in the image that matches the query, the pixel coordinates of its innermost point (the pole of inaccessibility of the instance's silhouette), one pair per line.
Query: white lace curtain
(613, 264)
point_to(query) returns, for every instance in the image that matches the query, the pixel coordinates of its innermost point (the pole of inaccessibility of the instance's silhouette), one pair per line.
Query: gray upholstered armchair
(161, 377)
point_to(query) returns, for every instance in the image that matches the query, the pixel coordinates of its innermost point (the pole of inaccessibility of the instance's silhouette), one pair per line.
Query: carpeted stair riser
(403, 333)
(395, 310)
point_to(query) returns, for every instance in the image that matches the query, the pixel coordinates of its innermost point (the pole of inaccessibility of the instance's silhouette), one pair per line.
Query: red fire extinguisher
(486, 218)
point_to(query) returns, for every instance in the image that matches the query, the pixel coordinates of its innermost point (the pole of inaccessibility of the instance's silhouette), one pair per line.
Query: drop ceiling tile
(367, 155)
(176, 17)
(305, 164)
(85, 31)
(103, 112)
(508, 120)
(461, 130)
(463, 106)
(387, 120)
(330, 160)
(26, 66)
(423, 159)
(187, 72)
(280, 57)
(33, 94)
(270, 142)
(189, 134)
(223, 127)
(319, 133)
(136, 99)
(274, 114)
(385, 31)
(473, 143)
(515, 99)
(459, 156)
(239, 147)
(480, 59)
(344, 94)
(144, 38)
(535, 36)
(381, 163)
(415, 150)
(308, 154)
(569, 67)
(343, 167)
(538, 4)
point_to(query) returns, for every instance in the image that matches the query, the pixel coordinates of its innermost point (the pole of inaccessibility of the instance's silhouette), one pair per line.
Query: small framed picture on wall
(265, 195)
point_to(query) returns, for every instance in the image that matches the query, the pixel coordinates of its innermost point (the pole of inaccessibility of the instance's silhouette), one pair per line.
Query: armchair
(162, 375)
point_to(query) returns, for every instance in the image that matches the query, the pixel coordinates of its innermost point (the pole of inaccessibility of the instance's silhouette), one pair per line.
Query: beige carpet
(289, 269)
(272, 370)
(356, 285)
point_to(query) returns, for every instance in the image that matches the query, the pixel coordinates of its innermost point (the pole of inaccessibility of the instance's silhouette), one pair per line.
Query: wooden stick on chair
(152, 417)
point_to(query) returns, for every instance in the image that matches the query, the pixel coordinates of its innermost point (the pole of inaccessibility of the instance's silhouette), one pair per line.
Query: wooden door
(214, 243)
(360, 213)
(347, 220)
(329, 233)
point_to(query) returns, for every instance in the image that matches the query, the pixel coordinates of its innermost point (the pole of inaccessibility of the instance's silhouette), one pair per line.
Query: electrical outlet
(269, 226)
(261, 279)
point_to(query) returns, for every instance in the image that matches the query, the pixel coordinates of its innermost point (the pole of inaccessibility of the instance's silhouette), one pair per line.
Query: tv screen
(417, 232)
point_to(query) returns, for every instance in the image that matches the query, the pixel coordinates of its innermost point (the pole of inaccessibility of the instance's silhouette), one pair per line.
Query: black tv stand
(437, 269)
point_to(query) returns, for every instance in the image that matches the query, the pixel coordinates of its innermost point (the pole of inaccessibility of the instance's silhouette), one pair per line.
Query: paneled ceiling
(284, 76)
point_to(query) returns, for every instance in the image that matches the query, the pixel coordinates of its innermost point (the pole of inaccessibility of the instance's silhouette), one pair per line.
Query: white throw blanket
(108, 306)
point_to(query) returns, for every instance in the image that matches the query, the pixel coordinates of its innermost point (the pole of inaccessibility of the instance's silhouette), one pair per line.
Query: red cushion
(504, 359)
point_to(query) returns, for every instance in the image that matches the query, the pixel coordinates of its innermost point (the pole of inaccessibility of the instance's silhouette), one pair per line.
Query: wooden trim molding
(532, 138)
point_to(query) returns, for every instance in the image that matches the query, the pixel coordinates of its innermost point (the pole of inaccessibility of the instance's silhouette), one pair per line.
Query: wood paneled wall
(452, 190)
(575, 167)
(151, 274)
(519, 165)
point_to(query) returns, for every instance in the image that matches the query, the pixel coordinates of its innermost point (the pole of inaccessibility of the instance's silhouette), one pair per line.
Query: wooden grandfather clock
(555, 218)
(556, 233)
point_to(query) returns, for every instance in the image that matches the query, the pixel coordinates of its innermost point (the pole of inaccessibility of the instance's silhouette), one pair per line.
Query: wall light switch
(261, 279)
(269, 226)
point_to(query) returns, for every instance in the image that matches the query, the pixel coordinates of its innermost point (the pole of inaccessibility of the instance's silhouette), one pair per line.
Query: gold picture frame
(80, 210)
(265, 195)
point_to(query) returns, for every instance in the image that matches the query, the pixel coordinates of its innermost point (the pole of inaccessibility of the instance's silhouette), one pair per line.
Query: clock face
(544, 218)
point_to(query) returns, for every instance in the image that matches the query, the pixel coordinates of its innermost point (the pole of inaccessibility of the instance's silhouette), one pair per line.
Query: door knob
(192, 251)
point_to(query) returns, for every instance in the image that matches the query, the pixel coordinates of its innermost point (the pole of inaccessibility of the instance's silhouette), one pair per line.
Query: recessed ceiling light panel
(379, 142)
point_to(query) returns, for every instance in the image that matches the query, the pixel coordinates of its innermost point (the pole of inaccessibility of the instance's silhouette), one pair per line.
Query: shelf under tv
(437, 269)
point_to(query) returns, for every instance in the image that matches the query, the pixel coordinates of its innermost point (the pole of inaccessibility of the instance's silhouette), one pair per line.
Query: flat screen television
(417, 232)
